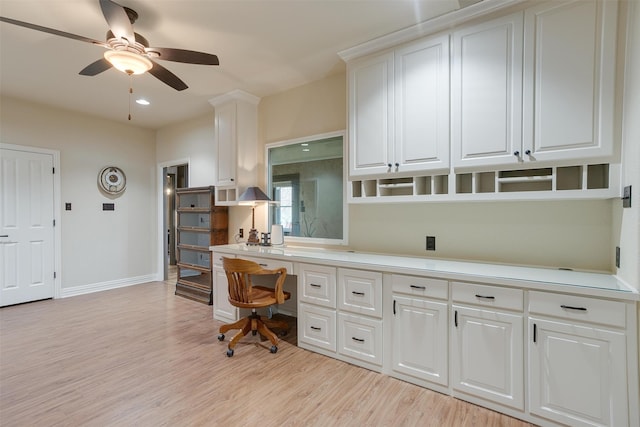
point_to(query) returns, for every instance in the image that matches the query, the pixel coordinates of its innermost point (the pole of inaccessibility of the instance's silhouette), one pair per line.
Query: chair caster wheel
(221, 337)
(229, 353)
(273, 349)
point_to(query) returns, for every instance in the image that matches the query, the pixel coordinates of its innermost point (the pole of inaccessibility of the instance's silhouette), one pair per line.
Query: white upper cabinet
(535, 86)
(235, 140)
(370, 114)
(486, 90)
(422, 105)
(399, 109)
(225, 128)
(569, 80)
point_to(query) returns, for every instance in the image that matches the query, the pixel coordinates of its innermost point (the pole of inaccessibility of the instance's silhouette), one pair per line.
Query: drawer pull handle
(361, 294)
(422, 288)
(262, 265)
(357, 339)
(485, 296)
(455, 318)
(313, 285)
(315, 328)
(568, 307)
(535, 333)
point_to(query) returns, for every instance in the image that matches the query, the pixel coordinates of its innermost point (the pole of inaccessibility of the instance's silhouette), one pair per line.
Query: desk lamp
(250, 197)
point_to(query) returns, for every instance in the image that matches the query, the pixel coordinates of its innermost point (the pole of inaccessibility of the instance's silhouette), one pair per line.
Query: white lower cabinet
(487, 345)
(222, 308)
(360, 338)
(487, 355)
(316, 327)
(577, 370)
(419, 342)
(561, 359)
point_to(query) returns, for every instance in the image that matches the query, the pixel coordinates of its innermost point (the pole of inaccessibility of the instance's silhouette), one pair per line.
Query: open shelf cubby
(573, 180)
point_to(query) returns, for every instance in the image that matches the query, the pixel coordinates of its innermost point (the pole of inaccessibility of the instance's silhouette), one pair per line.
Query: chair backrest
(239, 272)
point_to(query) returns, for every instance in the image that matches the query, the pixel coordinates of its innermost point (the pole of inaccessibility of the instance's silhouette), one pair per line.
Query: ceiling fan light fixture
(128, 62)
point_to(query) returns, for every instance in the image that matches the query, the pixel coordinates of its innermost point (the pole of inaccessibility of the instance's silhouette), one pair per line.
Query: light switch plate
(626, 197)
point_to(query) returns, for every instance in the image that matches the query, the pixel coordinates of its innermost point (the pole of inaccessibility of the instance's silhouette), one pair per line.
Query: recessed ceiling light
(142, 101)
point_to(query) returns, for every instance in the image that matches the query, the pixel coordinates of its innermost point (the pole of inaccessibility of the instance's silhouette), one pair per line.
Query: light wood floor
(142, 356)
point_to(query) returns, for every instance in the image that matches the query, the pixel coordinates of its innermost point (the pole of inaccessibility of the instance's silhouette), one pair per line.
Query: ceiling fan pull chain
(130, 92)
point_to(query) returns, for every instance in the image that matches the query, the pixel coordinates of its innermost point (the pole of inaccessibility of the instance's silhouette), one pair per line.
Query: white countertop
(594, 284)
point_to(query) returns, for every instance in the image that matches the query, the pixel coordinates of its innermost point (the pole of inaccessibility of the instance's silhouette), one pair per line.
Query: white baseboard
(105, 286)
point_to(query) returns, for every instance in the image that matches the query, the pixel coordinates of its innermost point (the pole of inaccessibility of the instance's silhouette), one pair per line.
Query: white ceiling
(264, 47)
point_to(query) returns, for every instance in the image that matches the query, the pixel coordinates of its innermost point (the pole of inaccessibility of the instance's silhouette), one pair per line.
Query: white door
(422, 105)
(488, 355)
(420, 339)
(371, 115)
(26, 226)
(577, 374)
(569, 84)
(486, 93)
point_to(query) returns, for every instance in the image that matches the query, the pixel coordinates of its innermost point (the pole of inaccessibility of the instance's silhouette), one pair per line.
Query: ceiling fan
(128, 51)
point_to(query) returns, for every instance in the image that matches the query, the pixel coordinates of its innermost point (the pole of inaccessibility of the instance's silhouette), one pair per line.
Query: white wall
(99, 249)
(626, 223)
(192, 140)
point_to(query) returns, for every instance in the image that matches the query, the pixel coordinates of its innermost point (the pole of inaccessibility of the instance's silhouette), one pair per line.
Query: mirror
(305, 178)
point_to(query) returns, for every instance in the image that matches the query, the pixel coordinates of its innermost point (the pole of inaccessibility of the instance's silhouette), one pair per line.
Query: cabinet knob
(516, 153)
(232, 179)
(528, 152)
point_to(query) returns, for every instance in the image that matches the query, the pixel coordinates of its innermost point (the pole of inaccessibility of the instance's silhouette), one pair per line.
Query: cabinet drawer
(360, 291)
(578, 308)
(360, 338)
(317, 284)
(487, 296)
(420, 286)
(217, 258)
(317, 326)
(271, 264)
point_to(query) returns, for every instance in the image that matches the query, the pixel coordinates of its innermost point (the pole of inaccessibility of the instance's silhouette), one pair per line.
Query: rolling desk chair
(243, 294)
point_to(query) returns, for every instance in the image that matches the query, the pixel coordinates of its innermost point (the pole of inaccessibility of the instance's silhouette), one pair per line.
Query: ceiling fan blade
(118, 20)
(181, 55)
(96, 67)
(51, 31)
(167, 77)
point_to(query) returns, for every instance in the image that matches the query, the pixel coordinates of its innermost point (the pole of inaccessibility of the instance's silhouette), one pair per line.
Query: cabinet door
(370, 114)
(577, 374)
(222, 308)
(486, 91)
(422, 105)
(488, 356)
(225, 124)
(569, 79)
(420, 339)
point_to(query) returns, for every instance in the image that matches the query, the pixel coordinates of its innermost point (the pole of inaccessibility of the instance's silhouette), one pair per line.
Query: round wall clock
(112, 180)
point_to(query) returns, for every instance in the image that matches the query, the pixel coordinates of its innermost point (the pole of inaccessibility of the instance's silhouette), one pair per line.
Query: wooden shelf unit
(201, 224)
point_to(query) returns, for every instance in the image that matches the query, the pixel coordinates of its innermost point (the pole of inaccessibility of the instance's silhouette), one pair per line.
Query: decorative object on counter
(250, 197)
(265, 239)
(277, 235)
(112, 180)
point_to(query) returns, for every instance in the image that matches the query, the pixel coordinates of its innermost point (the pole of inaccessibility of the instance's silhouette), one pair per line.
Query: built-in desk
(550, 346)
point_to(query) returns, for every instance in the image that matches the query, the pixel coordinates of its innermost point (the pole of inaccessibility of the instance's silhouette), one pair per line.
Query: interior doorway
(172, 177)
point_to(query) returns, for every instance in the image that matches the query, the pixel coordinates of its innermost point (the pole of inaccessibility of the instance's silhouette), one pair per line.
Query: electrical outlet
(431, 243)
(618, 256)
(241, 232)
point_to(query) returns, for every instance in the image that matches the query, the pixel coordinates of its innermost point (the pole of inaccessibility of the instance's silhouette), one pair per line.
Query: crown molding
(431, 26)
